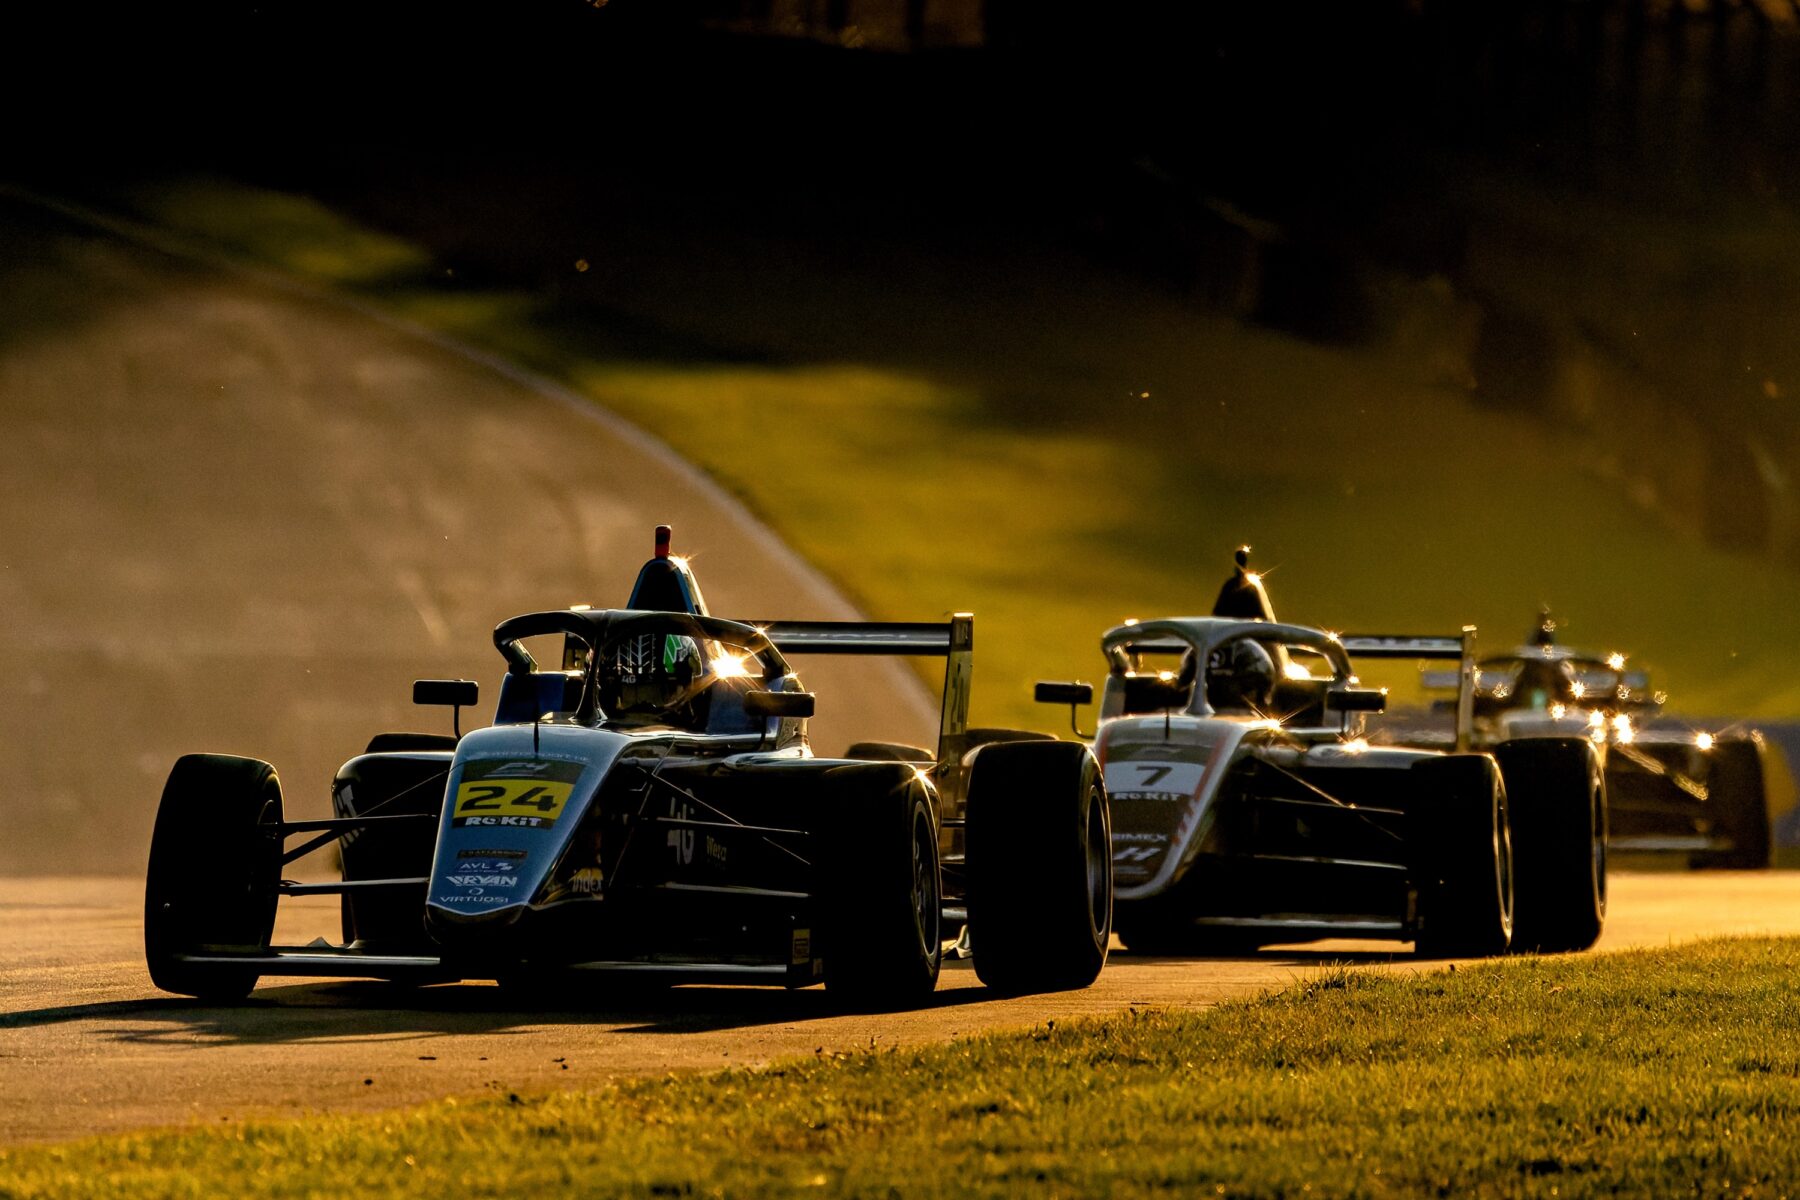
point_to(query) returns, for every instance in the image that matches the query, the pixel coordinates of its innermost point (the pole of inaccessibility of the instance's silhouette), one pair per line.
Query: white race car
(1249, 809)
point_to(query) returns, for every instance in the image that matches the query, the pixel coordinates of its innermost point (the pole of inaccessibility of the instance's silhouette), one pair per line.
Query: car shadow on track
(1281, 956)
(347, 1010)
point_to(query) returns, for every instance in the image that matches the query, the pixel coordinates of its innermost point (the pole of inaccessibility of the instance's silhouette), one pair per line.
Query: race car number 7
(1172, 779)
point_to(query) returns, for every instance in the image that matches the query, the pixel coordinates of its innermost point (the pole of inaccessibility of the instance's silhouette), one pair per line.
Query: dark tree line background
(1596, 193)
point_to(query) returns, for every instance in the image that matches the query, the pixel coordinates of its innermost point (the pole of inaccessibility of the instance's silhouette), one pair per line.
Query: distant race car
(1672, 788)
(1248, 809)
(651, 809)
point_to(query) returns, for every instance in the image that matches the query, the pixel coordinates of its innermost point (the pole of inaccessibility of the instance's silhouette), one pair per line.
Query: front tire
(1737, 795)
(1463, 858)
(214, 874)
(1039, 866)
(1557, 797)
(880, 920)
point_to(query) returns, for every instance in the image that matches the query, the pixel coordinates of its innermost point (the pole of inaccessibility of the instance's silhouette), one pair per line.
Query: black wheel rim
(1599, 840)
(1098, 855)
(1503, 863)
(263, 886)
(926, 911)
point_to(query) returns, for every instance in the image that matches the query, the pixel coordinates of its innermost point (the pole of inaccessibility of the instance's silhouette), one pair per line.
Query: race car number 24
(514, 798)
(501, 796)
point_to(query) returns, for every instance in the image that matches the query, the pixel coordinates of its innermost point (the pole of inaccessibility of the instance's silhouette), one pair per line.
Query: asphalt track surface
(238, 516)
(87, 1045)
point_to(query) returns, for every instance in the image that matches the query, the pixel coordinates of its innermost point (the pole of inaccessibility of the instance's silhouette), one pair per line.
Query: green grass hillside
(1022, 433)
(1651, 1073)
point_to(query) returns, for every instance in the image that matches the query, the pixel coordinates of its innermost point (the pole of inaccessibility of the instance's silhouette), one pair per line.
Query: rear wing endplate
(952, 640)
(1460, 648)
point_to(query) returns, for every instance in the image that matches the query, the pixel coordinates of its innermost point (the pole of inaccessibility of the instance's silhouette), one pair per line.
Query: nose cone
(483, 929)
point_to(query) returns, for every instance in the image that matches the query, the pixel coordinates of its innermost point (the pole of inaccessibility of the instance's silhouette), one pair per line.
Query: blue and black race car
(1675, 790)
(650, 807)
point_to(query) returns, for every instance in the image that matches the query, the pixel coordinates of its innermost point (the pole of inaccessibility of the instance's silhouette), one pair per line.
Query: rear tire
(1556, 796)
(1039, 866)
(389, 920)
(1738, 797)
(993, 735)
(214, 874)
(888, 752)
(881, 911)
(1463, 858)
(393, 743)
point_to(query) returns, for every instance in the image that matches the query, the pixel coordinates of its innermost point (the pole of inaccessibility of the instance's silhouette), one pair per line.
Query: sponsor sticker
(509, 794)
(536, 768)
(490, 854)
(486, 866)
(1146, 780)
(482, 881)
(587, 881)
(802, 947)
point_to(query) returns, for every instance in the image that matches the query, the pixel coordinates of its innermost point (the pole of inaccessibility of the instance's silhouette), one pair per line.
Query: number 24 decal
(513, 798)
(478, 797)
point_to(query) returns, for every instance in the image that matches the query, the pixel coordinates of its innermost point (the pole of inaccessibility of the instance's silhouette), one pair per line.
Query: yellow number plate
(512, 798)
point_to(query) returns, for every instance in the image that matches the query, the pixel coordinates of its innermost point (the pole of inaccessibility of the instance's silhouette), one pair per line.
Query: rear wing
(952, 640)
(1460, 648)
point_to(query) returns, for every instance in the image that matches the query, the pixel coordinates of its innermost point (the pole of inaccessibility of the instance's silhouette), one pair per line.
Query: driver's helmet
(1542, 683)
(649, 674)
(1240, 676)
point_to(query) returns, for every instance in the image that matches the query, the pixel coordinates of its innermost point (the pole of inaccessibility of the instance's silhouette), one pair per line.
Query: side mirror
(779, 704)
(454, 694)
(1349, 700)
(1064, 693)
(1072, 694)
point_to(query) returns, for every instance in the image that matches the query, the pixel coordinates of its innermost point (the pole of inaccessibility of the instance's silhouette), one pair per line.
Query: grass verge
(1655, 1073)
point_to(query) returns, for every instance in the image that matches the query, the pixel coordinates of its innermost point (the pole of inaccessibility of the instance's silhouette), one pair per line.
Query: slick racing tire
(1737, 798)
(389, 920)
(1039, 866)
(880, 916)
(1462, 856)
(888, 752)
(214, 875)
(1556, 797)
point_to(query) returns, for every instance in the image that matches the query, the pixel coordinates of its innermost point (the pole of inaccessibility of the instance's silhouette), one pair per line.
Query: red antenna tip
(663, 534)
